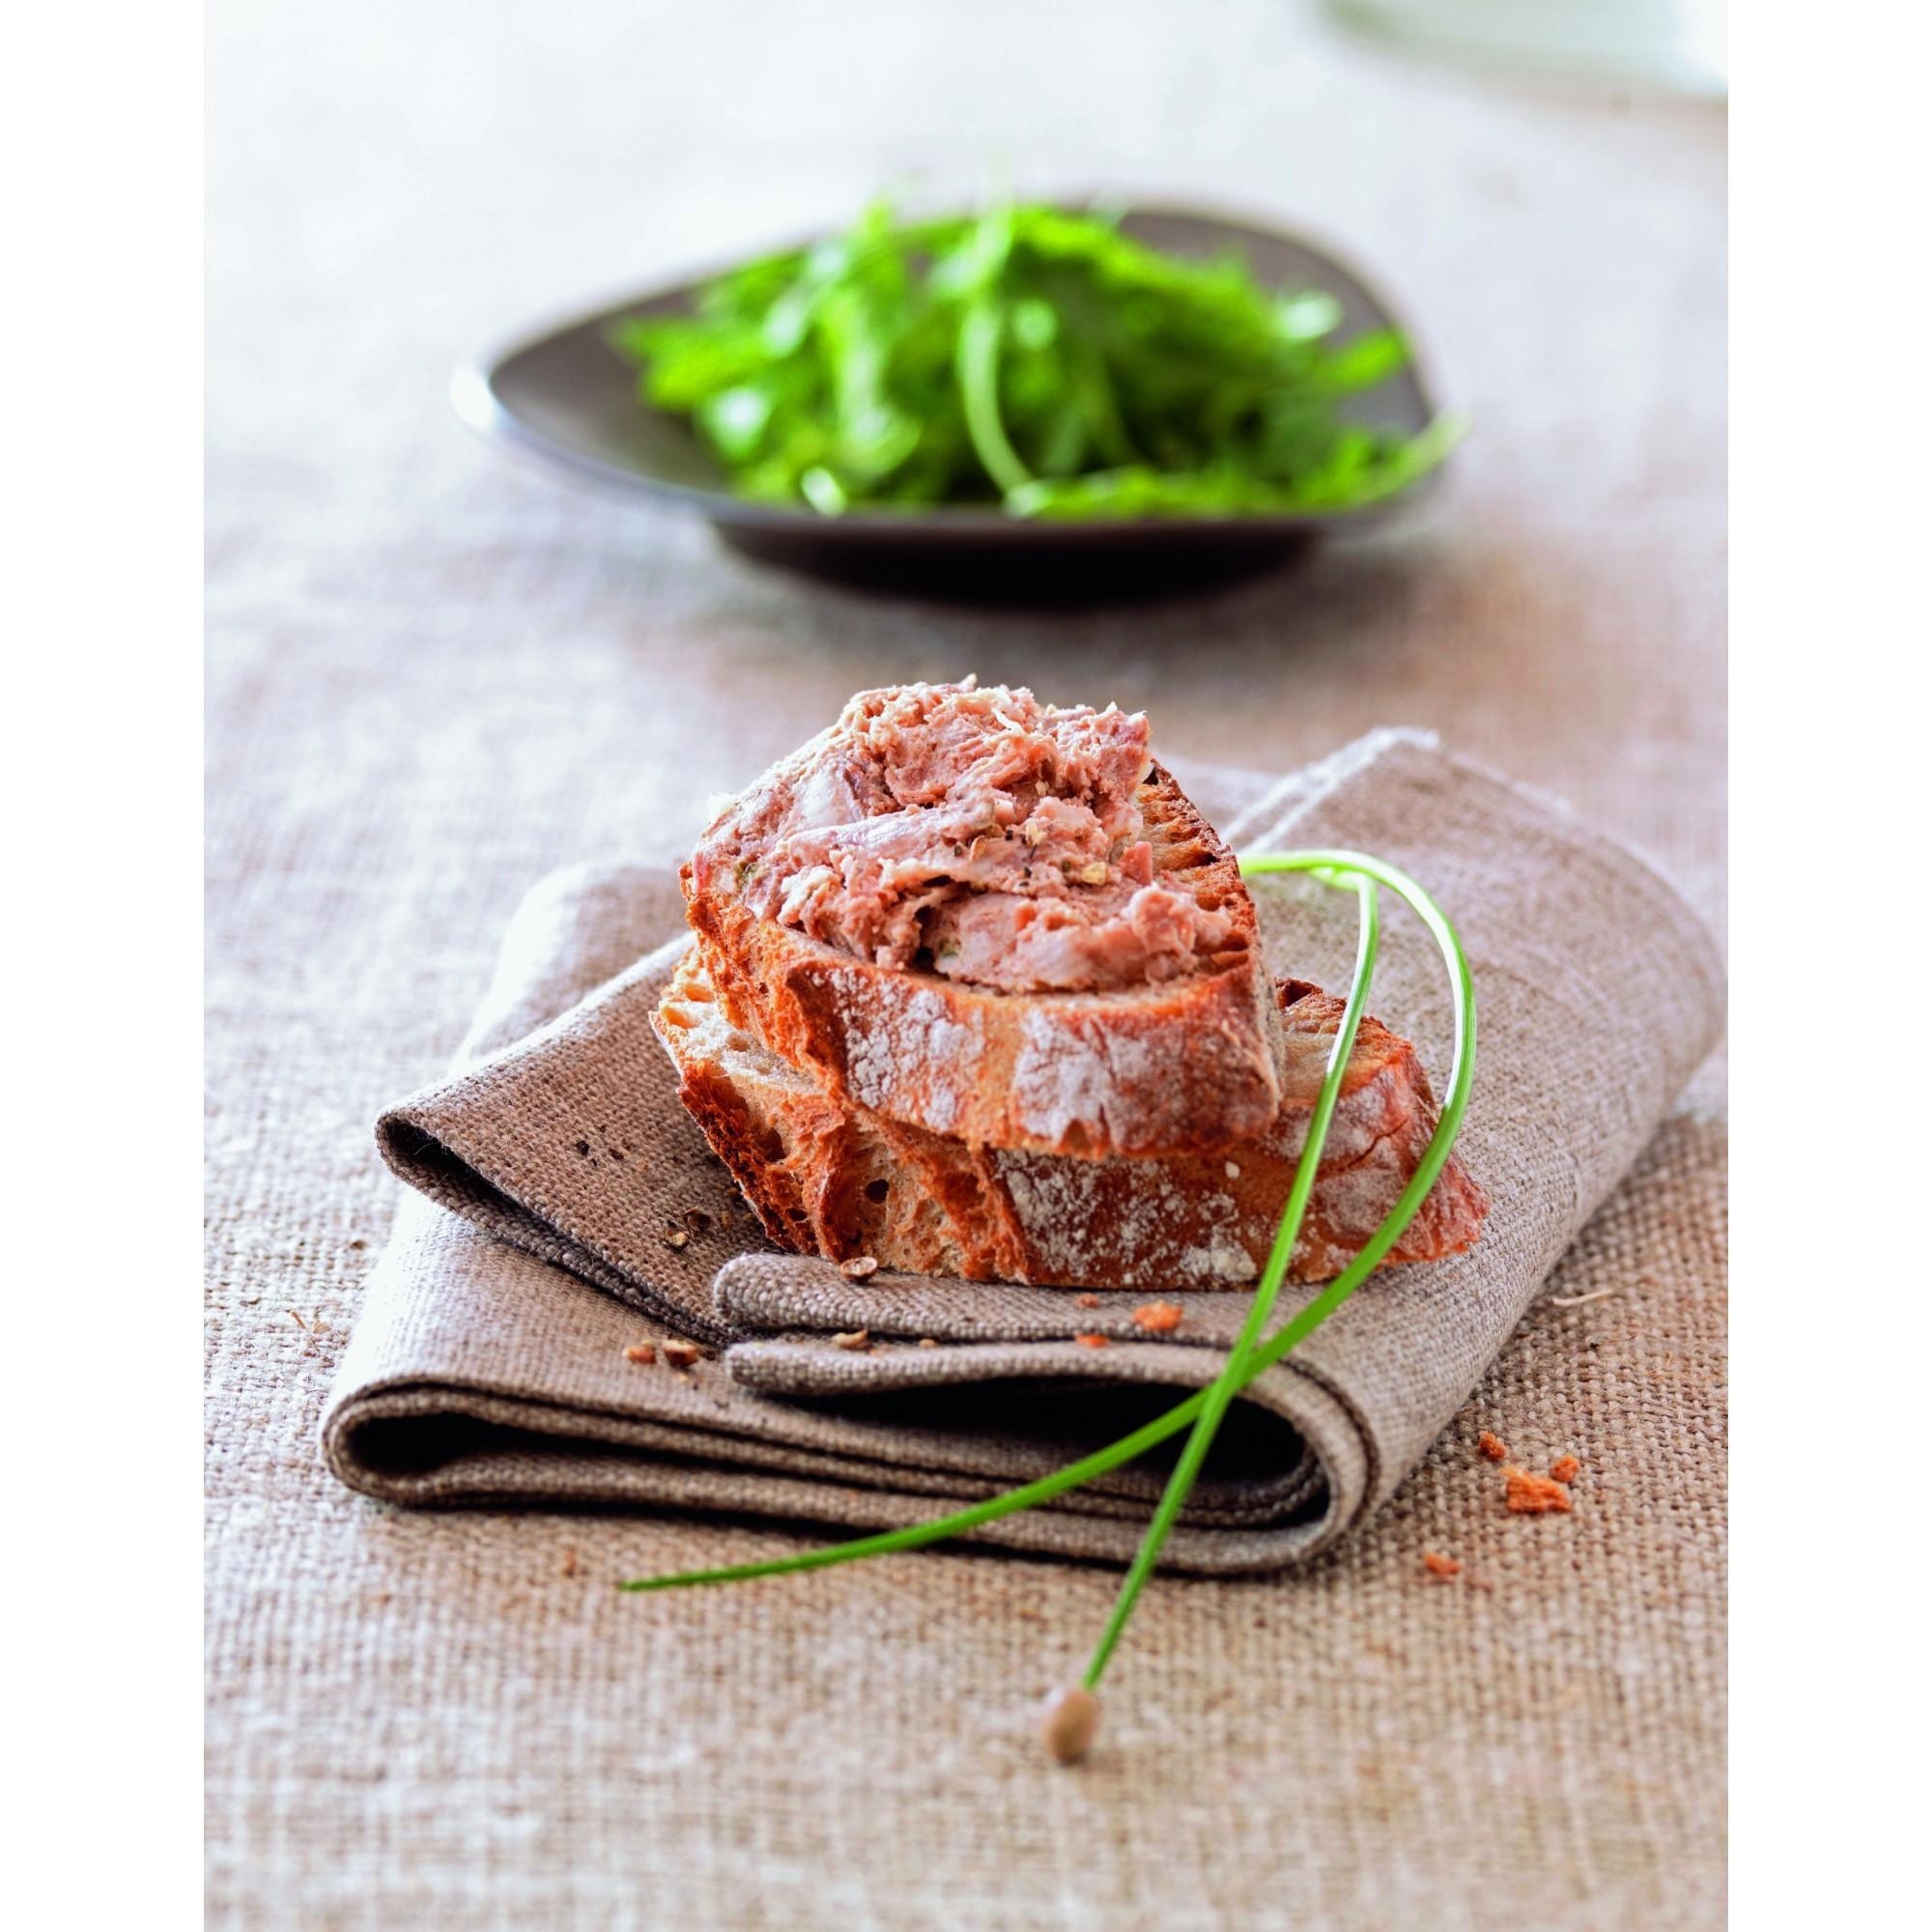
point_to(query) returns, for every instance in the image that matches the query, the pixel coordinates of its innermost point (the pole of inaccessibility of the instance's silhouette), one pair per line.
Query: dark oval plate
(568, 399)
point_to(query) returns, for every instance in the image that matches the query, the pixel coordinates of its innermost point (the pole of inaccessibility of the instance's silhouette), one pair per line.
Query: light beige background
(435, 676)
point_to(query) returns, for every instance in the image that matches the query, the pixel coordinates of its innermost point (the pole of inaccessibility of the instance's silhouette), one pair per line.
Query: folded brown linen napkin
(489, 1363)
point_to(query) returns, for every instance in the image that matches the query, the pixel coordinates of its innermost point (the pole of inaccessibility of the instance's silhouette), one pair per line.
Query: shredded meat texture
(978, 834)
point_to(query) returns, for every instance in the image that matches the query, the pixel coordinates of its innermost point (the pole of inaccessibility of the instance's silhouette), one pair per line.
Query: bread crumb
(858, 1340)
(1233, 1170)
(1087, 1300)
(1565, 1469)
(1530, 1494)
(641, 1351)
(928, 1342)
(676, 1237)
(1090, 1341)
(1439, 1565)
(682, 1354)
(1159, 1318)
(696, 1220)
(1490, 1447)
(861, 1267)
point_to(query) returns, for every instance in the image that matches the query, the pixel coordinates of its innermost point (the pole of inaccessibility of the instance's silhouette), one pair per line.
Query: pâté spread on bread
(977, 991)
(977, 835)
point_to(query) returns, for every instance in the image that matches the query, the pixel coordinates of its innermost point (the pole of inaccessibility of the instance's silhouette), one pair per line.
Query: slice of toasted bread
(831, 1179)
(1182, 1062)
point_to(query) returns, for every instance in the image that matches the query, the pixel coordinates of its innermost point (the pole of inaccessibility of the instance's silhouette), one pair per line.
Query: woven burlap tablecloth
(434, 678)
(481, 1370)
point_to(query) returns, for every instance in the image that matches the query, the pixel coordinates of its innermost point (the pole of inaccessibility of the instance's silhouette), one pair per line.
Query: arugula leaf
(1031, 358)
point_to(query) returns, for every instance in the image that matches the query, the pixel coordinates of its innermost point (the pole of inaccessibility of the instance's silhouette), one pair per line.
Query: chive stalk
(1222, 1390)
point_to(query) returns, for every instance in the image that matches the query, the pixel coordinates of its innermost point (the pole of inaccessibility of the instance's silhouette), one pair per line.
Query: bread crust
(831, 1179)
(1185, 1065)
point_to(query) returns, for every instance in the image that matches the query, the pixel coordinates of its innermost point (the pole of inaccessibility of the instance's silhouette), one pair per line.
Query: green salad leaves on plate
(1031, 360)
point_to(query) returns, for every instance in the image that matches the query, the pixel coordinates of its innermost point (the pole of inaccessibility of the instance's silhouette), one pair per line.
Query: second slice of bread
(829, 1178)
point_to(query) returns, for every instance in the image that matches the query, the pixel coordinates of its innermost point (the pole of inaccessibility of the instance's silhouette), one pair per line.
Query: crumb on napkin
(1157, 1318)
(1565, 1469)
(1531, 1495)
(1491, 1446)
(1440, 1564)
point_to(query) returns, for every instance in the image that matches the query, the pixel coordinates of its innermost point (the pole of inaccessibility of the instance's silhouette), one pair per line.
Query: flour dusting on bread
(922, 1033)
